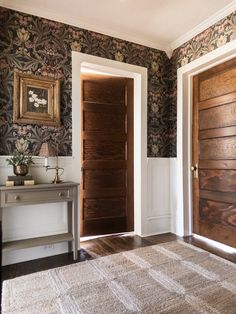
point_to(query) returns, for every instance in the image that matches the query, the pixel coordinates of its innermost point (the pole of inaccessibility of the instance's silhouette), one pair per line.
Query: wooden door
(107, 155)
(214, 151)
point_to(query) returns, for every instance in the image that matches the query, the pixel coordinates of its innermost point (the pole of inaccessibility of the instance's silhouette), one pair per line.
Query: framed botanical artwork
(36, 100)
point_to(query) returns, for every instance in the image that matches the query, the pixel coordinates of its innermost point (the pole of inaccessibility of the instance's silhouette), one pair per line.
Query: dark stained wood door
(107, 155)
(214, 151)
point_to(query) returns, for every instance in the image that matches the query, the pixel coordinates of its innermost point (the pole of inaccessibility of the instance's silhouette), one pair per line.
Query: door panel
(214, 151)
(107, 155)
(218, 148)
(110, 93)
(95, 121)
(218, 84)
(103, 150)
(104, 207)
(217, 180)
(105, 178)
(220, 132)
(212, 118)
(220, 213)
(217, 196)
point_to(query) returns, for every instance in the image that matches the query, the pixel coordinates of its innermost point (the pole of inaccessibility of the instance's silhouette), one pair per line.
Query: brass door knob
(194, 169)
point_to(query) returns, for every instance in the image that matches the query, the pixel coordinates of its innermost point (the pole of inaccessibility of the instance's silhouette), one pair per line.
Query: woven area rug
(173, 277)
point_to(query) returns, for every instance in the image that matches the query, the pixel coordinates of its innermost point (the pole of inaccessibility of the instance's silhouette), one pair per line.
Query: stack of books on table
(19, 180)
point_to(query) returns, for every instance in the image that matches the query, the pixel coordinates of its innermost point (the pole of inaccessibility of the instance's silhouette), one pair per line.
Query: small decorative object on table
(20, 162)
(46, 151)
(19, 180)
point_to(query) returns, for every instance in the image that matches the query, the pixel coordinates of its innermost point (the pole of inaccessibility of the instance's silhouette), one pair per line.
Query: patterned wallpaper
(36, 45)
(214, 37)
(40, 46)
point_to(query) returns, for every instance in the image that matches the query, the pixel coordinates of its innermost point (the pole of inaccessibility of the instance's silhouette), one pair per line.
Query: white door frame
(182, 213)
(139, 74)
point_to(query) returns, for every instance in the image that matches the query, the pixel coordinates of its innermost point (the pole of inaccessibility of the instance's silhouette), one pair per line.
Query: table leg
(75, 223)
(1, 245)
(1, 248)
(69, 224)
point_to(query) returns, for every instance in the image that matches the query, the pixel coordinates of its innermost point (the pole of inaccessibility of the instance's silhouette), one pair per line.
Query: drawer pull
(17, 197)
(60, 194)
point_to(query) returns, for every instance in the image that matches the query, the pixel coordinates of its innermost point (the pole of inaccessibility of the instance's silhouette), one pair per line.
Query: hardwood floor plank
(125, 243)
(162, 238)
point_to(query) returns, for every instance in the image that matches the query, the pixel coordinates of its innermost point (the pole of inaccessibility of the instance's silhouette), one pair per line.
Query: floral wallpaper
(36, 45)
(216, 36)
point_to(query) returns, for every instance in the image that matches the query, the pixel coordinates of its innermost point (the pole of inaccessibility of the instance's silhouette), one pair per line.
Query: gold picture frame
(36, 100)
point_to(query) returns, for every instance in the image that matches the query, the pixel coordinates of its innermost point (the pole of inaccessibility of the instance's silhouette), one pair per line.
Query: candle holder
(56, 179)
(46, 151)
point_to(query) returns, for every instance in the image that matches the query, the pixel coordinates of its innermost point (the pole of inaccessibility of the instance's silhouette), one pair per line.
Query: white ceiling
(162, 24)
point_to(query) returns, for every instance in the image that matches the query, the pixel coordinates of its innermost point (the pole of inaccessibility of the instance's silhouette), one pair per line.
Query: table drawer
(31, 197)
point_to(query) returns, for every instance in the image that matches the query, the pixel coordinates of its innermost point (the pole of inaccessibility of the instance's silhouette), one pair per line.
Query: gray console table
(40, 194)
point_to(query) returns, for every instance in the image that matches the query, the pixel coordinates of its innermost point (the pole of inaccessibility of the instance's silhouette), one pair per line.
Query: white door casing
(139, 74)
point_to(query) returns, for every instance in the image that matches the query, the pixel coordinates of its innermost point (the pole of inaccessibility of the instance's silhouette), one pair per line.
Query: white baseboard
(28, 254)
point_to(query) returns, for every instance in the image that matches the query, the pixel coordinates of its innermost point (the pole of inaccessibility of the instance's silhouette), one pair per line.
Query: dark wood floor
(89, 249)
(100, 247)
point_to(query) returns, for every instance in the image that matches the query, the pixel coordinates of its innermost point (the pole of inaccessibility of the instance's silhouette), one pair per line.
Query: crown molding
(230, 8)
(85, 24)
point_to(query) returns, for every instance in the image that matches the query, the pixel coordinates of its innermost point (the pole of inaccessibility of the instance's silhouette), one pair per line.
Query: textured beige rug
(173, 277)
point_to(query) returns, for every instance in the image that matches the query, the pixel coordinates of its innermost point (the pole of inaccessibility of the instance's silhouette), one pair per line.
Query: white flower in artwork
(36, 101)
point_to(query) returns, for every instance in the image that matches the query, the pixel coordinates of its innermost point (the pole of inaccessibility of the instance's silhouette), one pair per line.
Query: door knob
(194, 169)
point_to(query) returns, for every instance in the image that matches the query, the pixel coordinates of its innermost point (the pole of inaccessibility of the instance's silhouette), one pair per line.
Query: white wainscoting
(158, 218)
(40, 220)
(176, 219)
